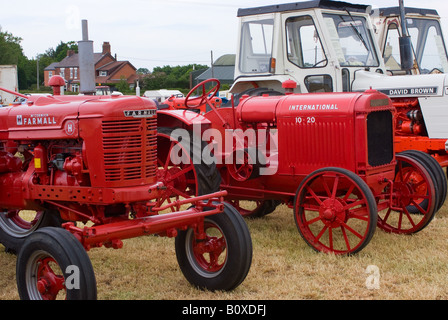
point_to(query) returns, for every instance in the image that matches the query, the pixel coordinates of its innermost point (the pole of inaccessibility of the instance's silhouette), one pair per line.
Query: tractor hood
(430, 89)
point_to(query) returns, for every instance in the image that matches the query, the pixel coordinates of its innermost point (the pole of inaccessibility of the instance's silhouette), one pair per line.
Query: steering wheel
(205, 97)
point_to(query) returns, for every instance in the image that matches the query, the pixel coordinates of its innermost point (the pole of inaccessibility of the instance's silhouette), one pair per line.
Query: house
(108, 70)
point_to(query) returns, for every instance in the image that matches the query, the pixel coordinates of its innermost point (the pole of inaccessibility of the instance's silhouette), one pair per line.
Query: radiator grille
(129, 148)
(380, 138)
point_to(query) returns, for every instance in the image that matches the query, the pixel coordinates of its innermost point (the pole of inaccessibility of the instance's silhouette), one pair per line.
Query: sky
(148, 33)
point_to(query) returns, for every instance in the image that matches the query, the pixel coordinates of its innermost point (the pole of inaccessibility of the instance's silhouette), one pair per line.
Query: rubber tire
(208, 176)
(365, 190)
(239, 253)
(66, 250)
(13, 243)
(266, 207)
(435, 170)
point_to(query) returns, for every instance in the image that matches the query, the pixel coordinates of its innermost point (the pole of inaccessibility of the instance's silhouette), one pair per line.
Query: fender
(181, 119)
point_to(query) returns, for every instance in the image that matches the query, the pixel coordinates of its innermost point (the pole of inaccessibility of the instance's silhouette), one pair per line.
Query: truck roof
(394, 11)
(322, 4)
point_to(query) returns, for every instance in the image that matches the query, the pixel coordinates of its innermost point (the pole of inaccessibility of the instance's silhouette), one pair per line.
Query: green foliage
(168, 77)
(11, 52)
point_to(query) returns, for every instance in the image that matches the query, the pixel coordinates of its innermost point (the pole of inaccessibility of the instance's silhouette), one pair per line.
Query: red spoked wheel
(205, 96)
(413, 198)
(335, 211)
(183, 173)
(53, 265)
(217, 254)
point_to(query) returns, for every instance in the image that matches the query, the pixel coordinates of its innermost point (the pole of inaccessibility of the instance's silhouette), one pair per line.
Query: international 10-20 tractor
(328, 156)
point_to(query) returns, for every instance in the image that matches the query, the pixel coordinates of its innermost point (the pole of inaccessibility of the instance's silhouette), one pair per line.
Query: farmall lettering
(35, 120)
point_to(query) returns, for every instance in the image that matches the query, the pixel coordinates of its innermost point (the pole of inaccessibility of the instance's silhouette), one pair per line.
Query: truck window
(304, 47)
(391, 53)
(428, 44)
(256, 46)
(351, 40)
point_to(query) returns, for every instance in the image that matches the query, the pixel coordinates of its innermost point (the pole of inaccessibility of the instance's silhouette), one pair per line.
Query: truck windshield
(427, 42)
(256, 46)
(351, 40)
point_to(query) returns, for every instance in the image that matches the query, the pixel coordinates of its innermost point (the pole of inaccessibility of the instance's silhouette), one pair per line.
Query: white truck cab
(318, 44)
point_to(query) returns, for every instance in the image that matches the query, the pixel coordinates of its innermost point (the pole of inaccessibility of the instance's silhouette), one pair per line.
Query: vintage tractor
(329, 156)
(79, 172)
(329, 46)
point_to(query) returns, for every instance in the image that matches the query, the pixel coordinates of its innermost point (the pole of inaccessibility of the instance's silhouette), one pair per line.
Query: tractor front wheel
(335, 211)
(53, 265)
(221, 259)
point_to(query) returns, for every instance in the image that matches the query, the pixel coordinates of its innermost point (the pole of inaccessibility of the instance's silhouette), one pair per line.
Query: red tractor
(79, 172)
(329, 156)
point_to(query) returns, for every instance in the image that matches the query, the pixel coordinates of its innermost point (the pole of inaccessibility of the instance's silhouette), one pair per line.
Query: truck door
(307, 60)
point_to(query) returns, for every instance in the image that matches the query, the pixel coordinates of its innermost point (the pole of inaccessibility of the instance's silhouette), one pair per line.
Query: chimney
(70, 53)
(86, 62)
(106, 47)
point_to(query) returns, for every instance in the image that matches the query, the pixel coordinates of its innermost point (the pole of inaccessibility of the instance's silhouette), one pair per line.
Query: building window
(50, 74)
(62, 73)
(71, 73)
(76, 73)
(103, 73)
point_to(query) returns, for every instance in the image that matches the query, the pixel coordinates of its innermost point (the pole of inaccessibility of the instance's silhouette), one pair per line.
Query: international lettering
(306, 107)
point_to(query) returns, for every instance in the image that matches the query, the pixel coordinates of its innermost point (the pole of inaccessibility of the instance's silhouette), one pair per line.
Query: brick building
(108, 71)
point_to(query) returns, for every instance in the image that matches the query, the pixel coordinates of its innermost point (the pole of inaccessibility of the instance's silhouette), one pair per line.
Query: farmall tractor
(329, 156)
(329, 46)
(79, 172)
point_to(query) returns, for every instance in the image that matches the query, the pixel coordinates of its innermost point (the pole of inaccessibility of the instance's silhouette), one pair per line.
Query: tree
(168, 77)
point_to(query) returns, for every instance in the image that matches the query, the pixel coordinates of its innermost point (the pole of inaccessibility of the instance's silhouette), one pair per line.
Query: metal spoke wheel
(335, 211)
(182, 169)
(414, 198)
(53, 265)
(219, 256)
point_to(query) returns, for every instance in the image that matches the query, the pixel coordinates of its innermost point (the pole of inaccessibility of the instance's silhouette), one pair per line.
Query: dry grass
(283, 267)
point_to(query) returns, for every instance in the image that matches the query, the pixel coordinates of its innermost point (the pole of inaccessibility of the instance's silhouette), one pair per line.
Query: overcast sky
(148, 33)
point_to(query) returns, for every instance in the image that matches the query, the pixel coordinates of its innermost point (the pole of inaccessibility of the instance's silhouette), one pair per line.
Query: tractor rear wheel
(17, 225)
(52, 265)
(183, 172)
(222, 260)
(255, 208)
(335, 211)
(414, 197)
(436, 172)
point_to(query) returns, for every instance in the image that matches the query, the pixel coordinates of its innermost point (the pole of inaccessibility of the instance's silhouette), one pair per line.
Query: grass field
(283, 267)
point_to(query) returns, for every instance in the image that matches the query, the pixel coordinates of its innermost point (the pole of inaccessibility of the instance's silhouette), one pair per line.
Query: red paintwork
(331, 136)
(91, 158)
